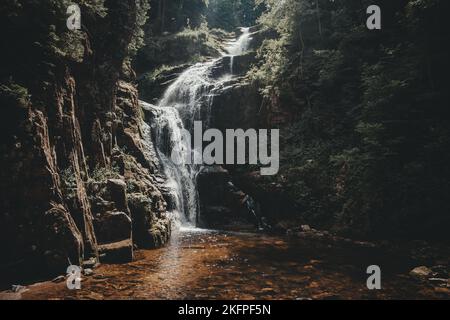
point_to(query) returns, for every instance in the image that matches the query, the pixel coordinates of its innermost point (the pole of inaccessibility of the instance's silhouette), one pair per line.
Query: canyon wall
(78, 182)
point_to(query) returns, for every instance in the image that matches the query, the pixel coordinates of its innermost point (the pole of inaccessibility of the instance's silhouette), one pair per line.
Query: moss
(14, 102)
(188, 46)
(68, 182)
(100, 174)
(13, 95)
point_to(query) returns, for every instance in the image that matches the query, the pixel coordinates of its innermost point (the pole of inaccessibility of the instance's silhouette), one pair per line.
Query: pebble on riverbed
(88, 272)
(421, 272)
(18, 288)
(437, 276)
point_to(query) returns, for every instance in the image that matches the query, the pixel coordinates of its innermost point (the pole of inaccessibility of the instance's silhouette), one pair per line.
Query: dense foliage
(174, 15)
(363, 113)
(230, 14)
(181, 32)
(366, 143)
(41, 42)
(368, 148)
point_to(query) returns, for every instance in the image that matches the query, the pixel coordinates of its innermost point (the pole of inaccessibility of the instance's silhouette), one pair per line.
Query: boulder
(214, 194)
(212, 185)
(88, 272)
(62, 239)
(216, 217)
(158, 235)
(151, 227)
(235, 105)
(117, 252)
(112, 226)
(421, 272)
(90, 263)
(142, 218)
(222, 204)
(441, 271)
(117, 189)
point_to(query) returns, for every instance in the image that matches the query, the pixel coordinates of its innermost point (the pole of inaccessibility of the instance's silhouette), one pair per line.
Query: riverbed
(205, 264)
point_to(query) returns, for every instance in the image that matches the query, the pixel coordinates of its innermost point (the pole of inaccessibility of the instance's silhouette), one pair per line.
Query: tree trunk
(319, 21)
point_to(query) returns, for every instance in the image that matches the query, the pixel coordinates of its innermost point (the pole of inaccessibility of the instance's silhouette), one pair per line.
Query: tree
(230, 14)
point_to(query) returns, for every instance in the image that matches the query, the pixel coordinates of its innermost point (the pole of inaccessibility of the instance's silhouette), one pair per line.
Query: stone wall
(78, 180)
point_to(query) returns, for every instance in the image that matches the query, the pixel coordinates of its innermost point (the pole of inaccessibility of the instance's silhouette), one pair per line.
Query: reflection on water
(206, 264)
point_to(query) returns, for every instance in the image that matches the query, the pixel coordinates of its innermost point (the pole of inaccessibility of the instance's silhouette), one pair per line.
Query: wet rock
(212, 183)
(101, 205)
(327, 296)
(440, 282)
(243, 63)
(222, 204)
(365, 244)
(306, 228)
(117, 252)
(142, 217)
(63, 238)
(258, 36)
(150, 112)
(132, 142)
(441, 271)
(117, 188)
(216, 216)
(33, 214)
(171, 199)
(45, 211)
(91, 263)
(273, 201)
(421, 272)
(88, 272)
(151, 228)
(158, 235)
(59, 279)
(235, 106)
(18, 288)
(112, 226)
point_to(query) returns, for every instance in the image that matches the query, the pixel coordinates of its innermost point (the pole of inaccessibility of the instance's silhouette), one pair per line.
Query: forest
(91, 118)
(363, 113)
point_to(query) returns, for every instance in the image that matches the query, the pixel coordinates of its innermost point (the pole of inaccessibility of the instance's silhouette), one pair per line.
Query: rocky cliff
(78, 182)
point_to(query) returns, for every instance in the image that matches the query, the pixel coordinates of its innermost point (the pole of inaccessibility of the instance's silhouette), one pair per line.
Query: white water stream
(179, 107)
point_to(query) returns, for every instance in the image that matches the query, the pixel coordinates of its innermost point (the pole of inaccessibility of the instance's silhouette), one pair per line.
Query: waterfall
(183, 103)
(239, 46)
(180, 179)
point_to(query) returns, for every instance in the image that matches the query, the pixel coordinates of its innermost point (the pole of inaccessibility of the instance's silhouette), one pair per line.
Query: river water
(204, 264)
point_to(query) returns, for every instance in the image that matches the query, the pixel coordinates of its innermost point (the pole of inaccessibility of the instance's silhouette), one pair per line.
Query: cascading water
(180, 178)
(180, 106)
(239, 46)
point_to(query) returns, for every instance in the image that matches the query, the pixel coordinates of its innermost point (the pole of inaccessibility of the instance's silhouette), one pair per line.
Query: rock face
(76, 171)
(116, 252)
(236, 105)
(222, 205)
(112, 226)
(151, 228)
